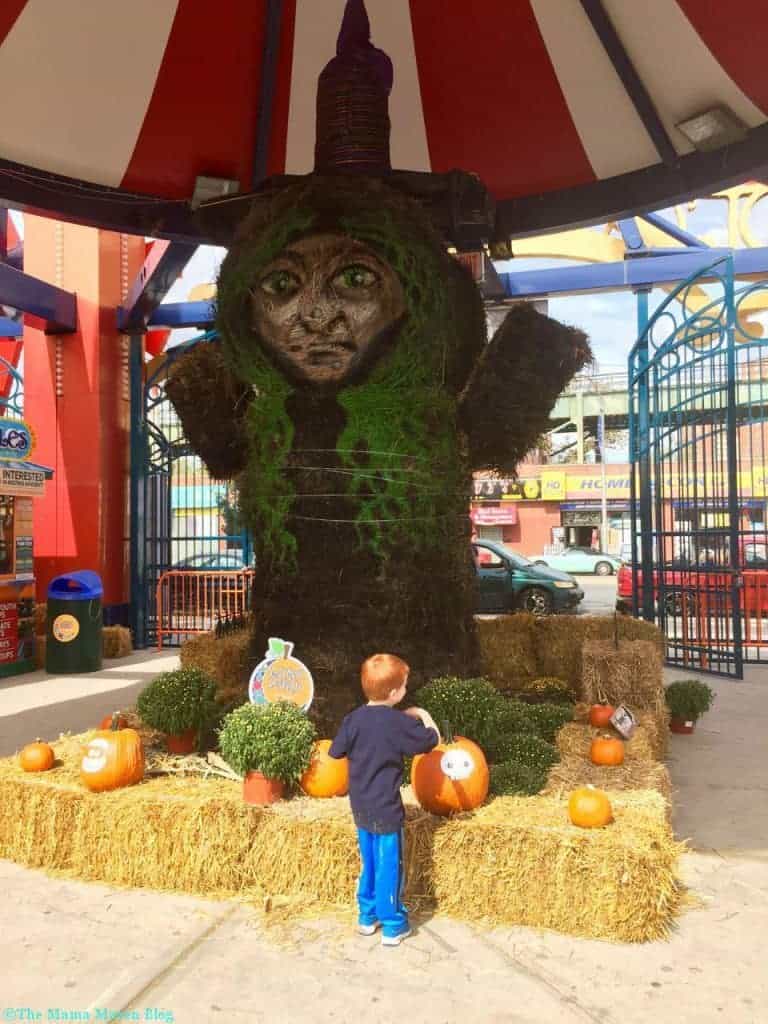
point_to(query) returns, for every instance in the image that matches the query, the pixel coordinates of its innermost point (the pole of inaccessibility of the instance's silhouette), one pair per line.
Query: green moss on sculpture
(358, 495)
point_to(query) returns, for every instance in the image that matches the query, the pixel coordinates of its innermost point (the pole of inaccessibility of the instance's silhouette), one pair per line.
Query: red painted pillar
(77, 399)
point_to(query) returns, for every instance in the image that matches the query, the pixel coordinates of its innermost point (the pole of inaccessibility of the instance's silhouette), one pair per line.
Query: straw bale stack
(572, 771)
(655, 722)
(116, 641)
(518, 860)
(576, 738)
(508, 650)
(628, 674)
(514, 861)
(227, 660)
(560, 639)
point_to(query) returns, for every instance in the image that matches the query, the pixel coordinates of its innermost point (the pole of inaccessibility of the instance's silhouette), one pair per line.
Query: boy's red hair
(381, 674)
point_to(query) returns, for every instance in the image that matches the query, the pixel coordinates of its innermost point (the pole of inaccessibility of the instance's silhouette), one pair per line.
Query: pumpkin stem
(115, 721)
(447, 731)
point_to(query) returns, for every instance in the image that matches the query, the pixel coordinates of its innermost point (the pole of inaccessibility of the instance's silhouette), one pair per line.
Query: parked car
(688, 588)
(581, 560)
(217, 561)
(508, 582)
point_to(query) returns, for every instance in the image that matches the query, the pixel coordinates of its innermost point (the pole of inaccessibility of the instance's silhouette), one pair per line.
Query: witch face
(324, 307)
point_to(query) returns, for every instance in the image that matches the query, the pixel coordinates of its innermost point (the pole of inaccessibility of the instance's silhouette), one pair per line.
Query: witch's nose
(318, 314)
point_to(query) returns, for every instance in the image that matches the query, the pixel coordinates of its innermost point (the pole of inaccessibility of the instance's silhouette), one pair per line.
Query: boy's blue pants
(380, 889)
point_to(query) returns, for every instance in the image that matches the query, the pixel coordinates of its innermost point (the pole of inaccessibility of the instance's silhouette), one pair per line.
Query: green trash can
(74, 623)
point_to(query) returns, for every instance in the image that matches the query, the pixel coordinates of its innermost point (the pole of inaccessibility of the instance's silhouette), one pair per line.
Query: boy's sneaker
(394, 940)
(367, 929)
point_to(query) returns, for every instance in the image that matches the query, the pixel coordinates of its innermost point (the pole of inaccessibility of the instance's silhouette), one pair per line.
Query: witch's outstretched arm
(506, 405)
(211, 404)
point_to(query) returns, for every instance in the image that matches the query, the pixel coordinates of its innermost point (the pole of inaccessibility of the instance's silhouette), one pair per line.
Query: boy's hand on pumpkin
(426, 720)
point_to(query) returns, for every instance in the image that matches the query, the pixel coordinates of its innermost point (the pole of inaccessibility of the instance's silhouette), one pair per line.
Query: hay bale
(654, 721)
(628, 674)
(572, 772)
(227, 660)
(39, 652)
(508, 650)
(519, 861)
(559, 640)
(514, 861)
(116, 641)
(576, 738)
(41, 613)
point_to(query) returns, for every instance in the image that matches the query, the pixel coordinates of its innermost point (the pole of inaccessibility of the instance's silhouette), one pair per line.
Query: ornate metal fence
(698, 382)
(184, 520)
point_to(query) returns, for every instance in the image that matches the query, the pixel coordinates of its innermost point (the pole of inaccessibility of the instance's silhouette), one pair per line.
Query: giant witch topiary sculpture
(353, 393)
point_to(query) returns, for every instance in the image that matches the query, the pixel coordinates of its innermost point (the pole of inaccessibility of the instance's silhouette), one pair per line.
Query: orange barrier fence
(193, 602)
(706, 617)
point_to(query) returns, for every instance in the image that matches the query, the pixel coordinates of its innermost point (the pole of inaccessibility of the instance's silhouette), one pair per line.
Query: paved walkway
(76, 951)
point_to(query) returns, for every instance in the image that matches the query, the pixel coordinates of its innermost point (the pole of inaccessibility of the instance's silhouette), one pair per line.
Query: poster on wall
(9, 631)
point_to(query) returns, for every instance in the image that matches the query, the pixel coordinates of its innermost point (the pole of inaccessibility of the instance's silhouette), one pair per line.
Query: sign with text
(9, 631)
(17, 439)
(281, 677)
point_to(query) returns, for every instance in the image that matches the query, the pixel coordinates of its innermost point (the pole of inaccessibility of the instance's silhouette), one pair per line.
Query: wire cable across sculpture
(354, 393)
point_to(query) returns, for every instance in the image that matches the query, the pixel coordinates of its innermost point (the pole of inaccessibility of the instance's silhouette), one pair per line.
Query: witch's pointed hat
(353, 102)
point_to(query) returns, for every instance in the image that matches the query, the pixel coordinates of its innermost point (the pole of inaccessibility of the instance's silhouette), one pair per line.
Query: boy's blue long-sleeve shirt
(375, 740)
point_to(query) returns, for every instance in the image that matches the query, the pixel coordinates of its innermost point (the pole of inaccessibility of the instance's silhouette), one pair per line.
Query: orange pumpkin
(37, 757)
(106, 722)
(589, 808)
(452, 777)
(600, 715)
(114, 758)
(606, 750)
(326, 776)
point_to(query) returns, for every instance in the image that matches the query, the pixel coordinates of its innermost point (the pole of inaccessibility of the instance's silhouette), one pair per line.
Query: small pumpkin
(452, 777)
(107, 720)
(37, 757)
(326, 776)
(600, 715)
(113, 758)
(606, 750)
(589, 808)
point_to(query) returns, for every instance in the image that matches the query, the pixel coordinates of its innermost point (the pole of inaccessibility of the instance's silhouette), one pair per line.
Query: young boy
(375, 738)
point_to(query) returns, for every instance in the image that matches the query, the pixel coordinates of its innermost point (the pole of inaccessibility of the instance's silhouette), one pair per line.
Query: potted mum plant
(181, 704)
(687, 700)
(270, 745)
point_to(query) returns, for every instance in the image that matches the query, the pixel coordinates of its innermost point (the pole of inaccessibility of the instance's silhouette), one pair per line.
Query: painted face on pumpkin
(96, 756)
(324, 307)
(457, 764)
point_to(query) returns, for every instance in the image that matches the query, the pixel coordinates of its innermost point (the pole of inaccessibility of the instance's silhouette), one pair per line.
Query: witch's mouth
(329, 352)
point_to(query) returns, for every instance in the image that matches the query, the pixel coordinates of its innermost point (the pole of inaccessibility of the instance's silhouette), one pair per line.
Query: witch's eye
(280, 282)
(355, 277)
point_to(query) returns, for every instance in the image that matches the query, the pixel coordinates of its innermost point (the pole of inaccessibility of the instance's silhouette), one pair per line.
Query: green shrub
(688, 699)
(274, 739)
(547, 719)
(472, 707)
(177, 701)
(526, 750)
(511, 778)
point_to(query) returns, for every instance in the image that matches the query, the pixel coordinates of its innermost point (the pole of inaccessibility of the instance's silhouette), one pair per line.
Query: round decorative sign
(17, 439)
(65, 628)
(281, 677)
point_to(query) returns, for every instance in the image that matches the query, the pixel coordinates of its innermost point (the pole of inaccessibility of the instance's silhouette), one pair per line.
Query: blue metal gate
(698, 423)
(181, 518)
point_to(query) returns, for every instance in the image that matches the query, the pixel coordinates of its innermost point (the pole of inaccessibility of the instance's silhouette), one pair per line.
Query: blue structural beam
(183, 314)
(679, 234)
(10, 328)
(45, 306)
(164, 262)
(627, 274)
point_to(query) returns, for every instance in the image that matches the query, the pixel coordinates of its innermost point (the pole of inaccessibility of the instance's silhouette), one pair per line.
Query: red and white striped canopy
(143, 96)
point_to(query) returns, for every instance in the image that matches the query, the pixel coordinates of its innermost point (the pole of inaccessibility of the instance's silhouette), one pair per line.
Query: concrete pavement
(77, 951)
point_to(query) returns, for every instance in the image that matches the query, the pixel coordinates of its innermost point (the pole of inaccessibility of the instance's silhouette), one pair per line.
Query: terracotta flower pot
(182, 742)
(258, 789)
(680, 725)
